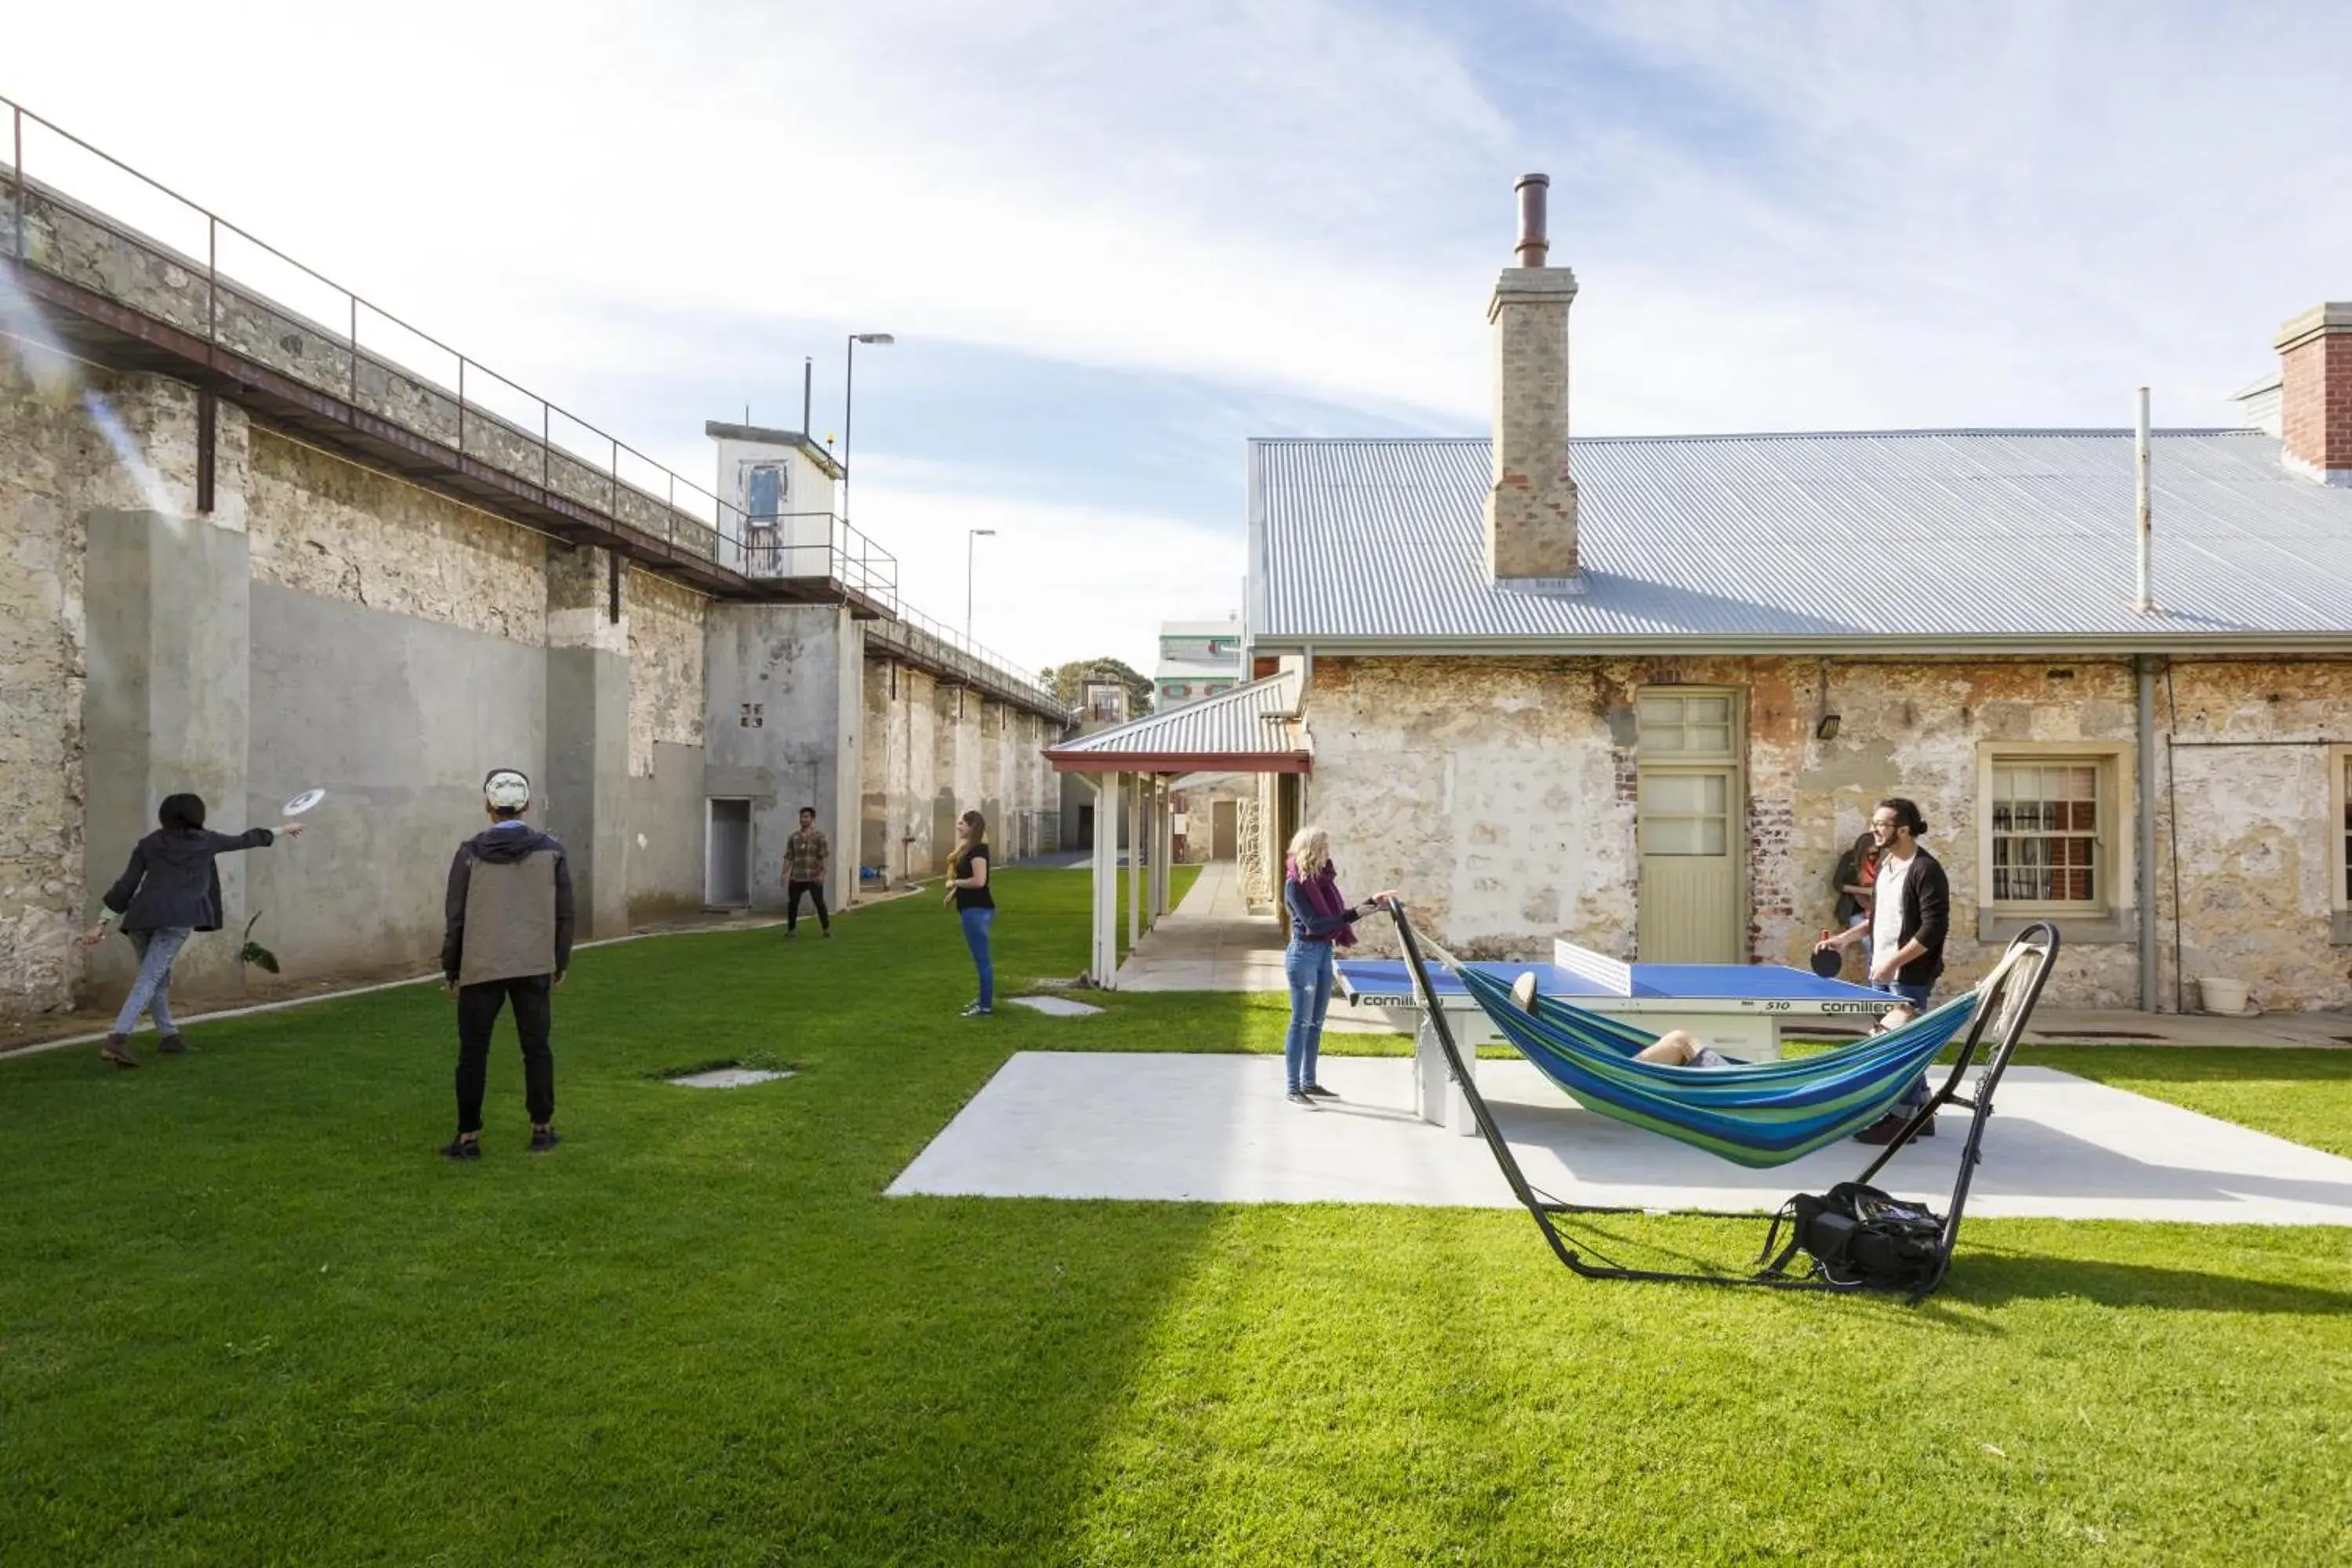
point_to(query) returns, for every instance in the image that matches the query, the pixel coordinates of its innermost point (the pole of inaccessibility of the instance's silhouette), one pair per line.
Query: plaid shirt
(804, 857)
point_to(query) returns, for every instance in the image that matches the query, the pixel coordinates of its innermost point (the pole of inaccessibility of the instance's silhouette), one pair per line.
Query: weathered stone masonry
(1500, 792)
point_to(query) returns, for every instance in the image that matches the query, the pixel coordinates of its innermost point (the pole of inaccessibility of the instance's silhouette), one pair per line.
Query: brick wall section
(667, 699)
(2316, 390)
(1497, 794)
(1531, 509)
(323, 525)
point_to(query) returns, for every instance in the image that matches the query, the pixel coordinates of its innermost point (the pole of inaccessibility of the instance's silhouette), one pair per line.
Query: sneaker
(117, 1050)
(172, 1045)
(463, 1148)
(1298, 1097)
(543, 1139)
(790, 935)
(1316, 1092)
(828, 933)
(976, 1011)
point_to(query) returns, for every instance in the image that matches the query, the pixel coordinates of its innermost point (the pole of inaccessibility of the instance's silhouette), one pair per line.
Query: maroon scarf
(1322, 894)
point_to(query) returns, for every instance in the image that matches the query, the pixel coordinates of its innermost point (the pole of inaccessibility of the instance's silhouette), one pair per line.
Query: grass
(247, 1317)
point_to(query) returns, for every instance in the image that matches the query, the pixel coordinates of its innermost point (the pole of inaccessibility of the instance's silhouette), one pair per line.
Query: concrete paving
(1217, 1129)
(1210, 941)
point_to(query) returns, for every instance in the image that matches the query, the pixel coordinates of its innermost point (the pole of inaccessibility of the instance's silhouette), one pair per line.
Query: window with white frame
(2342, 831)
(2051, 832)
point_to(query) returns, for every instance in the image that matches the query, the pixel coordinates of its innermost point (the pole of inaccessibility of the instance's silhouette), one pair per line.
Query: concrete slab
(728, 1077)
(1217, 1129)
(1054, 1007)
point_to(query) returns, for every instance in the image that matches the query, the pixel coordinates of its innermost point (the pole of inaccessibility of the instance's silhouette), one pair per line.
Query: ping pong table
(1739, 1009)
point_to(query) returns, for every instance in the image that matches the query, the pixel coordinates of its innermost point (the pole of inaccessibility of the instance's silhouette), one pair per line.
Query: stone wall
(324, 525)
(1501, 794)
(937, 749)
(46, 447)
(665, 696)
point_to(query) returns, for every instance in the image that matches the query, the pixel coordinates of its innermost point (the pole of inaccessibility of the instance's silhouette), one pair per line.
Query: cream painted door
(1690, 803)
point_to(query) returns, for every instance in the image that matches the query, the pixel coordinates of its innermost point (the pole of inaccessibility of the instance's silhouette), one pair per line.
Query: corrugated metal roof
(1992, 535)
(1242, 723)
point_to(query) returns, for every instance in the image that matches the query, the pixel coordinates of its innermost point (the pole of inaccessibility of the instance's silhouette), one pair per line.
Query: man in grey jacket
(508, 936)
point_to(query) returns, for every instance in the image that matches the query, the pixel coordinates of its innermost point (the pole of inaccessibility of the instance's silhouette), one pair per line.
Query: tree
(1069, 680)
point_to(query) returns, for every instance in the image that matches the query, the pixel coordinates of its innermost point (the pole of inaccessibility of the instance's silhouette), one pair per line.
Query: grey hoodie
(172, 881)
(508, 912)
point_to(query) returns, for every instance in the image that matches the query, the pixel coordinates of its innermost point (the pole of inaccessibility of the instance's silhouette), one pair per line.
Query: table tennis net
(1752, 1113)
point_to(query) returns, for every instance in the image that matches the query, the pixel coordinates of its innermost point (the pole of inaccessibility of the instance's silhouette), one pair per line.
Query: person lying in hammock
(1680, 1048)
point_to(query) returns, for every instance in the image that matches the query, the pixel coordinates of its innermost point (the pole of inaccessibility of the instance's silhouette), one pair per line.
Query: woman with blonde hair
(1319, 919)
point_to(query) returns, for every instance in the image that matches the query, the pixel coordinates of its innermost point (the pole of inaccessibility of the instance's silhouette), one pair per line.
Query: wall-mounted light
(1827, 728)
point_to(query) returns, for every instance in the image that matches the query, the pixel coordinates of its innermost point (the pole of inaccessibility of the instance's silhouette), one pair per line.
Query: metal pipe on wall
(2144, 510)
(2144, 666)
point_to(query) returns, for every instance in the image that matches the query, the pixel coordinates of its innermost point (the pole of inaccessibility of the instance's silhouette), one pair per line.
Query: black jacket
(1927, 918)
(171, 881)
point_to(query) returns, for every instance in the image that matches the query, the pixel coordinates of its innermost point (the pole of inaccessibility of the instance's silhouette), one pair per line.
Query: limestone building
(1640, 692)
(246, 549)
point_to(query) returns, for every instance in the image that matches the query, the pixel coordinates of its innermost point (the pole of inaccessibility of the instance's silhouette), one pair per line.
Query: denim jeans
(1308, 966)
(152, 991)
(1917, 996)
(975, 937)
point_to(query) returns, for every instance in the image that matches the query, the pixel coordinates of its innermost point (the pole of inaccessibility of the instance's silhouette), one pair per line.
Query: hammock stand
(2005, 1002)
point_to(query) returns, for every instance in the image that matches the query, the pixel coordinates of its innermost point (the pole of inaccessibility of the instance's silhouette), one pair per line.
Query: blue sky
(1116, 240)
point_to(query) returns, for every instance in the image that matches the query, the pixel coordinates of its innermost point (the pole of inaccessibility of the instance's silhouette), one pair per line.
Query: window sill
(2110, 927)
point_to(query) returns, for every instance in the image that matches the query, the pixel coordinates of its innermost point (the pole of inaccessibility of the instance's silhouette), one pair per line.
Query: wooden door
(1691, 804)
(1224, 829)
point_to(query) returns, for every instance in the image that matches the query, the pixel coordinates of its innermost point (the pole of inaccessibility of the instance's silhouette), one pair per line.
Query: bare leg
(1673, 1048)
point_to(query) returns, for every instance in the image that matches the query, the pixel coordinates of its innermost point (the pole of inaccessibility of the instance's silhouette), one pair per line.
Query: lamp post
(848, 404)
(973, 536)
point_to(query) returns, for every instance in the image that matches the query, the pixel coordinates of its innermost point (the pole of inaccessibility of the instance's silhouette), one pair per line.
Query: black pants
(792, 909)
(477, 1015)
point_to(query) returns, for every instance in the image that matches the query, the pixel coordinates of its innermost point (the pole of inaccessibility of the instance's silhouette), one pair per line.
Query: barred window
(2047, 821)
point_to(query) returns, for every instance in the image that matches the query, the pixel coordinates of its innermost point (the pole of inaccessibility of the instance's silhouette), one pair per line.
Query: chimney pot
(1532, 191)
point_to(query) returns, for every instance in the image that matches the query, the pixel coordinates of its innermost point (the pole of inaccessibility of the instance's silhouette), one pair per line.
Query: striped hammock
(1753, 1113)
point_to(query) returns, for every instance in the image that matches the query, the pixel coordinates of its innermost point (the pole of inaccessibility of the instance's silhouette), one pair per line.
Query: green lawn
(246, 1316)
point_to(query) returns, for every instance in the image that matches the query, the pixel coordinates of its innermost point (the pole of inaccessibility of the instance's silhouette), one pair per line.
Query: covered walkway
(1134, 769)
(1210, 941)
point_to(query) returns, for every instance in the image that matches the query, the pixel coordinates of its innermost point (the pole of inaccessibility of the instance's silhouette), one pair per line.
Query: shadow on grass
(1996, 1279)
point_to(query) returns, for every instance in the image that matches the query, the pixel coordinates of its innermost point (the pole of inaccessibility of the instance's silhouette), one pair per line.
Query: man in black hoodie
(508, 935)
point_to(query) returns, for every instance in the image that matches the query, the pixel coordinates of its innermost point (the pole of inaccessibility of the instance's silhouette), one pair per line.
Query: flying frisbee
(304, 802)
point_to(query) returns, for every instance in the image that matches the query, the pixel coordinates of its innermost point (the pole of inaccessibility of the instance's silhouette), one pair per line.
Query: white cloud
(1057, 582)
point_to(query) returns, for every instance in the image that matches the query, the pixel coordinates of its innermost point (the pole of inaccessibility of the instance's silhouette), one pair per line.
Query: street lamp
(848, 389)
(973, 536)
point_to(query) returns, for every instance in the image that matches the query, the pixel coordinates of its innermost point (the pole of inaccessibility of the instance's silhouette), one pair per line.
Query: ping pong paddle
(1828, 960)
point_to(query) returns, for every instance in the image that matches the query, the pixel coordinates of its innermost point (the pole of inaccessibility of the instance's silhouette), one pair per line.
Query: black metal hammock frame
(2006, 1005)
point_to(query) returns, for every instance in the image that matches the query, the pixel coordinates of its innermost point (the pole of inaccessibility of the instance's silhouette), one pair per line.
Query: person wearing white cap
(508, 936)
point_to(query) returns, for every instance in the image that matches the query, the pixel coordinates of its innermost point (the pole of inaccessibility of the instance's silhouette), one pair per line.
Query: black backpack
(1856, 1235)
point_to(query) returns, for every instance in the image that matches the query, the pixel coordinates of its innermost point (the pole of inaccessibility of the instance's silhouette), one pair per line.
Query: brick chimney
(1531, 510)
(2316, 393)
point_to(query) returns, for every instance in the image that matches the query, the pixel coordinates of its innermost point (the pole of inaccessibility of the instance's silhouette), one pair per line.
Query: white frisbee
(304, 802)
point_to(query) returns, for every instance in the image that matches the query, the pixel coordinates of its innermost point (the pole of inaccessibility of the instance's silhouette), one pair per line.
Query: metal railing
(920, 637)
(247, 295)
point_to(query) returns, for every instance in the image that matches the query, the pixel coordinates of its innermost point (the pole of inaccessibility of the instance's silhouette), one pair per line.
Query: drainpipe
(2145, 665)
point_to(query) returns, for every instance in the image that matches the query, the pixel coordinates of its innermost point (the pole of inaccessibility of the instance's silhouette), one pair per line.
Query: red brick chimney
(2316, 393)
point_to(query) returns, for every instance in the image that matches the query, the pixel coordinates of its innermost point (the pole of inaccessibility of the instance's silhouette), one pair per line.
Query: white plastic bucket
(2223, 996)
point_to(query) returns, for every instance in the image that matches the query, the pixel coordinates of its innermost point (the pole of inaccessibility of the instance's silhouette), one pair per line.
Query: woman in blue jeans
(975, 906)
(1319, 919)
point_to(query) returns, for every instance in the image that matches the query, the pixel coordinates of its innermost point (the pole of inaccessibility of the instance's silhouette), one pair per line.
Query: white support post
(1105, 963)
(1163, 849)
(1135, 865)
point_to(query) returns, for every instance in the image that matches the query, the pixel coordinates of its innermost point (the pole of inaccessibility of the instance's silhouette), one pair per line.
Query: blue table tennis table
(1739, 1009)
